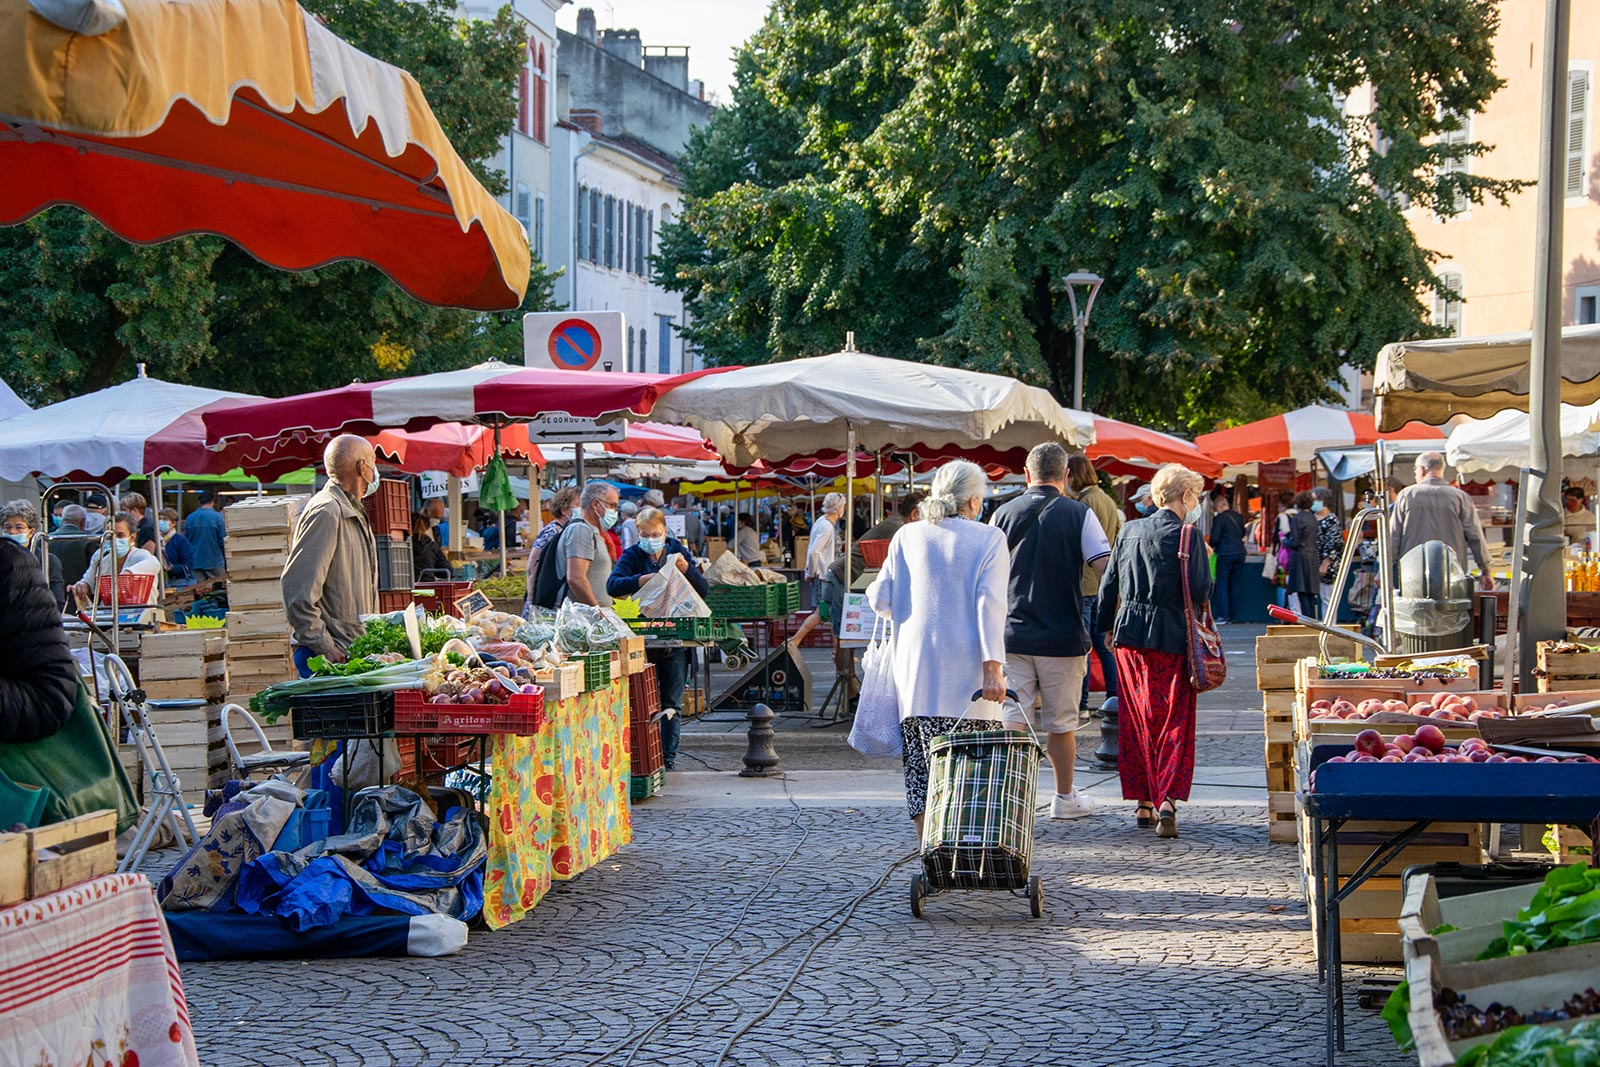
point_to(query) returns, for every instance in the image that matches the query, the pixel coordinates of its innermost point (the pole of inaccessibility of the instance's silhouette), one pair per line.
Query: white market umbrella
(1501, 442)
(10, 403)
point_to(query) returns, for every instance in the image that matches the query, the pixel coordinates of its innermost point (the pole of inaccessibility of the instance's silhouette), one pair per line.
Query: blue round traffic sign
(574, 345)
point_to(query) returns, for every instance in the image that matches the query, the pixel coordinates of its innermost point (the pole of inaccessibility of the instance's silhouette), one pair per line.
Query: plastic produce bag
(875, 733)
(668, 595)
(494, 491)
(727, 570)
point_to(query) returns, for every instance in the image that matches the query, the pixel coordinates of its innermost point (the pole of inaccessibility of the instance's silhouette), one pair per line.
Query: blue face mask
(123, 545)
(1144, 508)
(1316, 505)
(609, 519)
(166, 526)
(21, 539)
(653, 545)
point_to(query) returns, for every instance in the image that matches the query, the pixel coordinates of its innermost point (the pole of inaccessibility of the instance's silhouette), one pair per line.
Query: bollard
(1106, 754)
(760, 758)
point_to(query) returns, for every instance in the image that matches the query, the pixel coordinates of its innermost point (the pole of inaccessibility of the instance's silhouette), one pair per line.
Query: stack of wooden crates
(188, 665)
(1276, 655)
(260, 534)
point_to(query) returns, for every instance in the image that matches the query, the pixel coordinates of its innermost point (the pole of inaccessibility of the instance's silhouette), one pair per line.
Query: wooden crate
(86, 848)
(13, 868)
(1278, 727)
(1568, 839)
(1369, 922)
(561, 683)
(264, 513)
(256, 625)
(632, 652)
(1282, 815)
(256, 596)
(1442, 842)
(1560, 673)
(1284, 646)
(192, 670)
(182, 645)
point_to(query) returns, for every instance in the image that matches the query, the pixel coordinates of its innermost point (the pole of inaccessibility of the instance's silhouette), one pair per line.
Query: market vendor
(130, 560)
(331, 577)
(637, 565)
(1577, 521)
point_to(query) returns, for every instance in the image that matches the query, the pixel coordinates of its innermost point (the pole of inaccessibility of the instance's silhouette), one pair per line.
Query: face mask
(653, 545)
(123, 545)
(1144, 508)
(372, 486)
(21, 539)
(1316, 506)
(166, 526)
(1192, 515)
(609, 519)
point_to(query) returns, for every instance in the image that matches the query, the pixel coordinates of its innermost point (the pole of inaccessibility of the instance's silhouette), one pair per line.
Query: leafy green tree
(79, 307)
(939, 167)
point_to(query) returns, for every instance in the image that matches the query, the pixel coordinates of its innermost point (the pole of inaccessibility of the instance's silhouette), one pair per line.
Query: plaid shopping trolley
(978, 829)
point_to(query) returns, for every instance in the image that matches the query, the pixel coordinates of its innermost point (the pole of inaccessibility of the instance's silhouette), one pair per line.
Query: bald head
(351, 462)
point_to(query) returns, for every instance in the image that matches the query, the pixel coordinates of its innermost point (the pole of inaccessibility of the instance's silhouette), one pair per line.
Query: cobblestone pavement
(1178, 953)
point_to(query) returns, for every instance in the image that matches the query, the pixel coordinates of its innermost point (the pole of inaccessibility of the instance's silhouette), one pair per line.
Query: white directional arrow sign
(566, 430)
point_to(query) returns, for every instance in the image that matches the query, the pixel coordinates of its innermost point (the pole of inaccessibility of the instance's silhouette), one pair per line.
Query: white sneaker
(1073, 806)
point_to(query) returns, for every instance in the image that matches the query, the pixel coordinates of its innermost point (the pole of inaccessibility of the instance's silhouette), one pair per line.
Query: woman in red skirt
(1143, 591)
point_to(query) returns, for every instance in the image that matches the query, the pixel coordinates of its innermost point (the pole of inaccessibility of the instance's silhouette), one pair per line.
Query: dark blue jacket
(635, 567)
(1143, 585)
(180, 558)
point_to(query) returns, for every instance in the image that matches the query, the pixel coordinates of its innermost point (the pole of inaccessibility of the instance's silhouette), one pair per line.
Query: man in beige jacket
(331, 577)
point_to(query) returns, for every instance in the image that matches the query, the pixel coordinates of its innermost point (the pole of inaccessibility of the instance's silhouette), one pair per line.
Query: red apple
(1370, 741)
(1430, 737)
(1405, 742)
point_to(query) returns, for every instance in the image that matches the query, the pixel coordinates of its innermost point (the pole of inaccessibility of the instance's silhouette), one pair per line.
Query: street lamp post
(1080, 321)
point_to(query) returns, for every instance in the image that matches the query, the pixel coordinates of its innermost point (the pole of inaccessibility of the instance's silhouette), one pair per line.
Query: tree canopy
(926, 173)
(80, 307)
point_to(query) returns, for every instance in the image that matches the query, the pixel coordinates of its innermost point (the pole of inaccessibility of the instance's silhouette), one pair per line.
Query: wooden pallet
(1282, 815)
(1277, 715)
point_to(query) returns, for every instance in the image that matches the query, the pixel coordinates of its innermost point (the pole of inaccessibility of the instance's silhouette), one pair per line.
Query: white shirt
(137, 561)
(824, 545)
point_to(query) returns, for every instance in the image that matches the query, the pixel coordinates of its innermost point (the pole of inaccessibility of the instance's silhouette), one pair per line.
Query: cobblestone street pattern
(713, 926)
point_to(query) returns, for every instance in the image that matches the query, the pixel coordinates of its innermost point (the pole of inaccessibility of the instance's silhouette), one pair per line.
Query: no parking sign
(588, 340)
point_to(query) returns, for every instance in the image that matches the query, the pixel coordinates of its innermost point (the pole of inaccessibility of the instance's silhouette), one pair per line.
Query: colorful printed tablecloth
(90, 980)
(558, 801)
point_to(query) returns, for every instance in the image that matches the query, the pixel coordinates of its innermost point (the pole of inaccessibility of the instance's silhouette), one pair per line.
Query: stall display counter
(1418, 795)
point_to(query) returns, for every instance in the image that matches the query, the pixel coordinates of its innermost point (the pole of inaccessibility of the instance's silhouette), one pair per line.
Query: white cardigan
(944, 586)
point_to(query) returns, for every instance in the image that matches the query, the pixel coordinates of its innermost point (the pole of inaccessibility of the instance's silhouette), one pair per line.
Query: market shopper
(943, 586)
(747, 542)
(1435, 510)
(1052, 539)
(427, 555)
(19, 521)
(331, 577)
(820, 553)
(1227, 544)
(584, 557)
(175, 549)
(207, 532)
(129, 560)
(1141, 598)
(1577, 521)
(71, 543)
(561, 506)
(638, 565)
(144, 523)
(1084, 481)
(38, 676)
(1304, 580)
(1330, 541)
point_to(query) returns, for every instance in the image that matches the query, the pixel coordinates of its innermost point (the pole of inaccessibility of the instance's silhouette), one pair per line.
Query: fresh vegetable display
(1448, 707)
(452, 679)
(1565, 911)
(1446, 670)
(1427, 745)
(387, 633)
(1538, 1046)
(1462, 1020)
(503, 586)
(273, 701)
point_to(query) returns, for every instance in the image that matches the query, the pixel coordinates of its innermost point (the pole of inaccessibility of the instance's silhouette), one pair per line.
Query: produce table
(1420, 794)
(90, 977)
(558, 800)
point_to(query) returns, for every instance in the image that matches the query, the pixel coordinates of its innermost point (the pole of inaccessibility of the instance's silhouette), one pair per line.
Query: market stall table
(90, 977)
(1420, 794)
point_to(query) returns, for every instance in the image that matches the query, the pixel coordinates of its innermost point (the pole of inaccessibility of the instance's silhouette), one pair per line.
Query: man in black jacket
(38, 678)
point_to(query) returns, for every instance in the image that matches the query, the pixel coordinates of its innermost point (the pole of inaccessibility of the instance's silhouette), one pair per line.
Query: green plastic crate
(676, 629)
(754, 601)
(596, 670)
(645, 786)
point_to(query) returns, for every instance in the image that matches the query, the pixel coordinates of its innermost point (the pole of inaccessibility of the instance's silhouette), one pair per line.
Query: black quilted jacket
(38, 676)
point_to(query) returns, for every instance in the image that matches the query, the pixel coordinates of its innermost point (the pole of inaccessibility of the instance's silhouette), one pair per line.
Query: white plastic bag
(668, 594)
(875, 733)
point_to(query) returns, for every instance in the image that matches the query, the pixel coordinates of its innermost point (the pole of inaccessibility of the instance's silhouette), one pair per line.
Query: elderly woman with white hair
(820, 551)
(1142, 590)
(944, 587)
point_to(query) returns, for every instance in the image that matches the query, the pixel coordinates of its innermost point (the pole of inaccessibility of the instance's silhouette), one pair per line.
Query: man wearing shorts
(1052, 538)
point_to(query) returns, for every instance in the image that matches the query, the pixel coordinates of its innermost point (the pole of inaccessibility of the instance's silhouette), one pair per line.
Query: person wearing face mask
(1330, 541)
(583, 556)
(331, 577)
(129, 560)
(1143, 507)
(1141, 603)
(653, 551)
(177, 550)
(18, 523)
(1304, 578)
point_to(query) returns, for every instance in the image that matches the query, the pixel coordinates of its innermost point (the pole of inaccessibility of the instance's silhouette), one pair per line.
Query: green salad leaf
(1565, 911)
(1395, 1013)
(1538, 1046)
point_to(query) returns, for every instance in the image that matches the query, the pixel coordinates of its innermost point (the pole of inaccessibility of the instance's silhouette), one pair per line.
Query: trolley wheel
(734, 663)
(1036, 897)
(919, 890)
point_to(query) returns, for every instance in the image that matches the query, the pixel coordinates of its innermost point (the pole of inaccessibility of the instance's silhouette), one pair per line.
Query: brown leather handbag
(1208, 665)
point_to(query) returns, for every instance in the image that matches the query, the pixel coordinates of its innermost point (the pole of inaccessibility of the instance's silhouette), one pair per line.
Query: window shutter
(1577, 127)
(583, 222)
(522, 99)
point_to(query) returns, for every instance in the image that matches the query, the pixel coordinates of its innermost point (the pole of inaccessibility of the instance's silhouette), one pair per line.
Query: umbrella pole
(500, 515)
(849, 498)
(155, 520)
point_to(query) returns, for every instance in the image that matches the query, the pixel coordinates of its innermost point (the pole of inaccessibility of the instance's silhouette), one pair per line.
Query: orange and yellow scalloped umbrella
(247, 119)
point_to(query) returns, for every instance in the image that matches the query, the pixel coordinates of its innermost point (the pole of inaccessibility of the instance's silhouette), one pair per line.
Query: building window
(1578, 81)
(649, 243)
(1447, 303)
(538, 228)
(580, 234)
(1586, 301)
(522, 208)
(1459, 165)
(626, 222)
(630, 350)
(664, 347)
(594, 226)
(611, 232)
(541, 95)
(644, 349)
(523, 103)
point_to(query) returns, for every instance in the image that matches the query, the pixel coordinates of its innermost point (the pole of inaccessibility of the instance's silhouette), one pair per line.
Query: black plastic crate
(394, 563)
(343, 715)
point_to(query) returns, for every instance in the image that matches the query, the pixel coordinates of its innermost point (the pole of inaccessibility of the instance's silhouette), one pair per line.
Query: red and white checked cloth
(88, 977)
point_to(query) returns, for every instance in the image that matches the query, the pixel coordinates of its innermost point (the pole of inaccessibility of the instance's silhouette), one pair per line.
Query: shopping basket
(978, 826)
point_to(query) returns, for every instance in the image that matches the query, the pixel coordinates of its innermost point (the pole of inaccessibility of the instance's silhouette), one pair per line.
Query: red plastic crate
(780, 630)
(444, 598)
(644, 693)
(874, 552)
(414, 715)
(389, 509)
(644, 750)
(393, 599)
(131, 588)
(438, 753)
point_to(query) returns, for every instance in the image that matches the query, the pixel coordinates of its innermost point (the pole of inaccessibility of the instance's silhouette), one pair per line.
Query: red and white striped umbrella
(1298, 434)
(488, 393)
